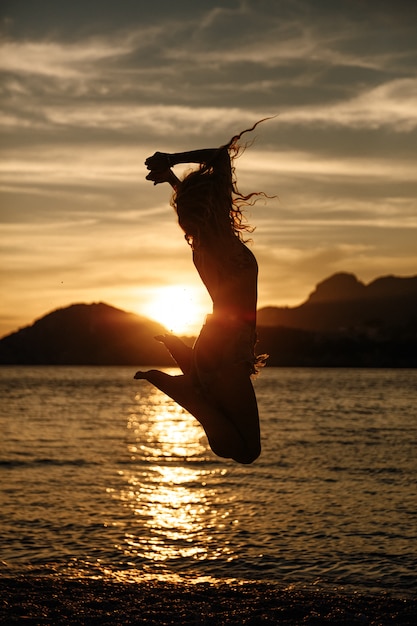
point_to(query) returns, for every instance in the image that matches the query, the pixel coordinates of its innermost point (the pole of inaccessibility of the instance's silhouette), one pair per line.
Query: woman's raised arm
(164, 160)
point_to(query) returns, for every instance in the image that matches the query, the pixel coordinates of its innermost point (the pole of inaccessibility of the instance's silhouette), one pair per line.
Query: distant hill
(86, 334)
(342, 302)
(343, 323)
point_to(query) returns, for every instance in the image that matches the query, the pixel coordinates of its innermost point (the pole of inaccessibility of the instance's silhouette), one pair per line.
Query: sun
(179, 308)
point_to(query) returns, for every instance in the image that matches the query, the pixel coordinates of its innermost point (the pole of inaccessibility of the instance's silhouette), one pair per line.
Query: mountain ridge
(85, 334)
(343, 322)
(342, 302)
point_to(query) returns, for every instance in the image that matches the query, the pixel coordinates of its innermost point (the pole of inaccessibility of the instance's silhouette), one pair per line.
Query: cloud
(60, 60)
(393, 104)
(311, 165)
(213, 69)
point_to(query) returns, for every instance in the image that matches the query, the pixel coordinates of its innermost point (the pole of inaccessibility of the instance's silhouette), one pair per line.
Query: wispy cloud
(313, 165)
(393, 104)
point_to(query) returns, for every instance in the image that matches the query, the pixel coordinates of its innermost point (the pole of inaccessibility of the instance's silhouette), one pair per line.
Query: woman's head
(203, 202)
(208, 201)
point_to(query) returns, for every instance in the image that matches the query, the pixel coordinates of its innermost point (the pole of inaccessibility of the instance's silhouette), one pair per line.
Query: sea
(105, 477)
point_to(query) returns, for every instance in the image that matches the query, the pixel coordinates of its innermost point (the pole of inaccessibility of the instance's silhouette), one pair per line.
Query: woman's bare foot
(141, 376)
(180, 352)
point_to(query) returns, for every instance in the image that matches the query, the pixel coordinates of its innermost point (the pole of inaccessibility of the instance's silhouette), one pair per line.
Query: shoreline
(29, 599)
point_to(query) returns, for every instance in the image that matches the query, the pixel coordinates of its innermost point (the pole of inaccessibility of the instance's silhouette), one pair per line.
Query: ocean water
(105, 476)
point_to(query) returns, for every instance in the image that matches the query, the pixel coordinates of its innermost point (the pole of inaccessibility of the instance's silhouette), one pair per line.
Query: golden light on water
(173, 502)
(163, 428)
(174, 514)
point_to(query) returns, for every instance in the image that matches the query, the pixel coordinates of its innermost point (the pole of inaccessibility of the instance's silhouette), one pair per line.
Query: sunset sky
(90, 89)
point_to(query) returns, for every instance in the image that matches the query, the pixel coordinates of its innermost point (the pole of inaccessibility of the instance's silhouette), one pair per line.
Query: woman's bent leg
(224, 437)
(232, 389)
(222, 364)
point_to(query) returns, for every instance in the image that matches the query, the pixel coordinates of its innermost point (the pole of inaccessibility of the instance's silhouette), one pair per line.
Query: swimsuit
(223, 343)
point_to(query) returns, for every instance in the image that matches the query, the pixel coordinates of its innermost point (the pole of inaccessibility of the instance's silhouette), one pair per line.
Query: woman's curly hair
(208, 199)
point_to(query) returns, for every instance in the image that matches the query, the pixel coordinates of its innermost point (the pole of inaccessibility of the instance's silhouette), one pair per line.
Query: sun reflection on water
(163, 429)
(174, 502)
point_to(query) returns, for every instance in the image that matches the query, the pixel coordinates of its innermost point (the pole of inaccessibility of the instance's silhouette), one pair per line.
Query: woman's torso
(229, 272)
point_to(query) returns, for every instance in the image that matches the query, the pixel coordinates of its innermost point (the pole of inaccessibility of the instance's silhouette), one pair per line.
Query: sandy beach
(42, 600)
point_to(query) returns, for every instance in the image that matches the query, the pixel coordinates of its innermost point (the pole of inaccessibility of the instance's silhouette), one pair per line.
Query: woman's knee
(248, 456)
(238, 451)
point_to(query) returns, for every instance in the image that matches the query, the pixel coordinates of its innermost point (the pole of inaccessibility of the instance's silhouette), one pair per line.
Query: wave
(15, 463)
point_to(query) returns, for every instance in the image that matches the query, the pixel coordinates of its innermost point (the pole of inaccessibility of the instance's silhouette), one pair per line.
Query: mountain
(342, 323)
(86, 334)
(342, 302)
(345, 323)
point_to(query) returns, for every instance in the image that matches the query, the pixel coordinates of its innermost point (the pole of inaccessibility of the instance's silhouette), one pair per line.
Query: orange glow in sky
(179, 308)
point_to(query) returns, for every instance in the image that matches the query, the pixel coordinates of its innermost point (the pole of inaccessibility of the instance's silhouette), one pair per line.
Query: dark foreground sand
(28, 600)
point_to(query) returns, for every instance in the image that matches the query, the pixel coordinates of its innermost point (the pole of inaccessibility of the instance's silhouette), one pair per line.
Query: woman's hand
(163, 176)
(159, 161)
(160, 176)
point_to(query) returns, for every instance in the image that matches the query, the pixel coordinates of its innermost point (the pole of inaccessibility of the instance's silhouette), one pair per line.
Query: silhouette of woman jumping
(215, 386)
